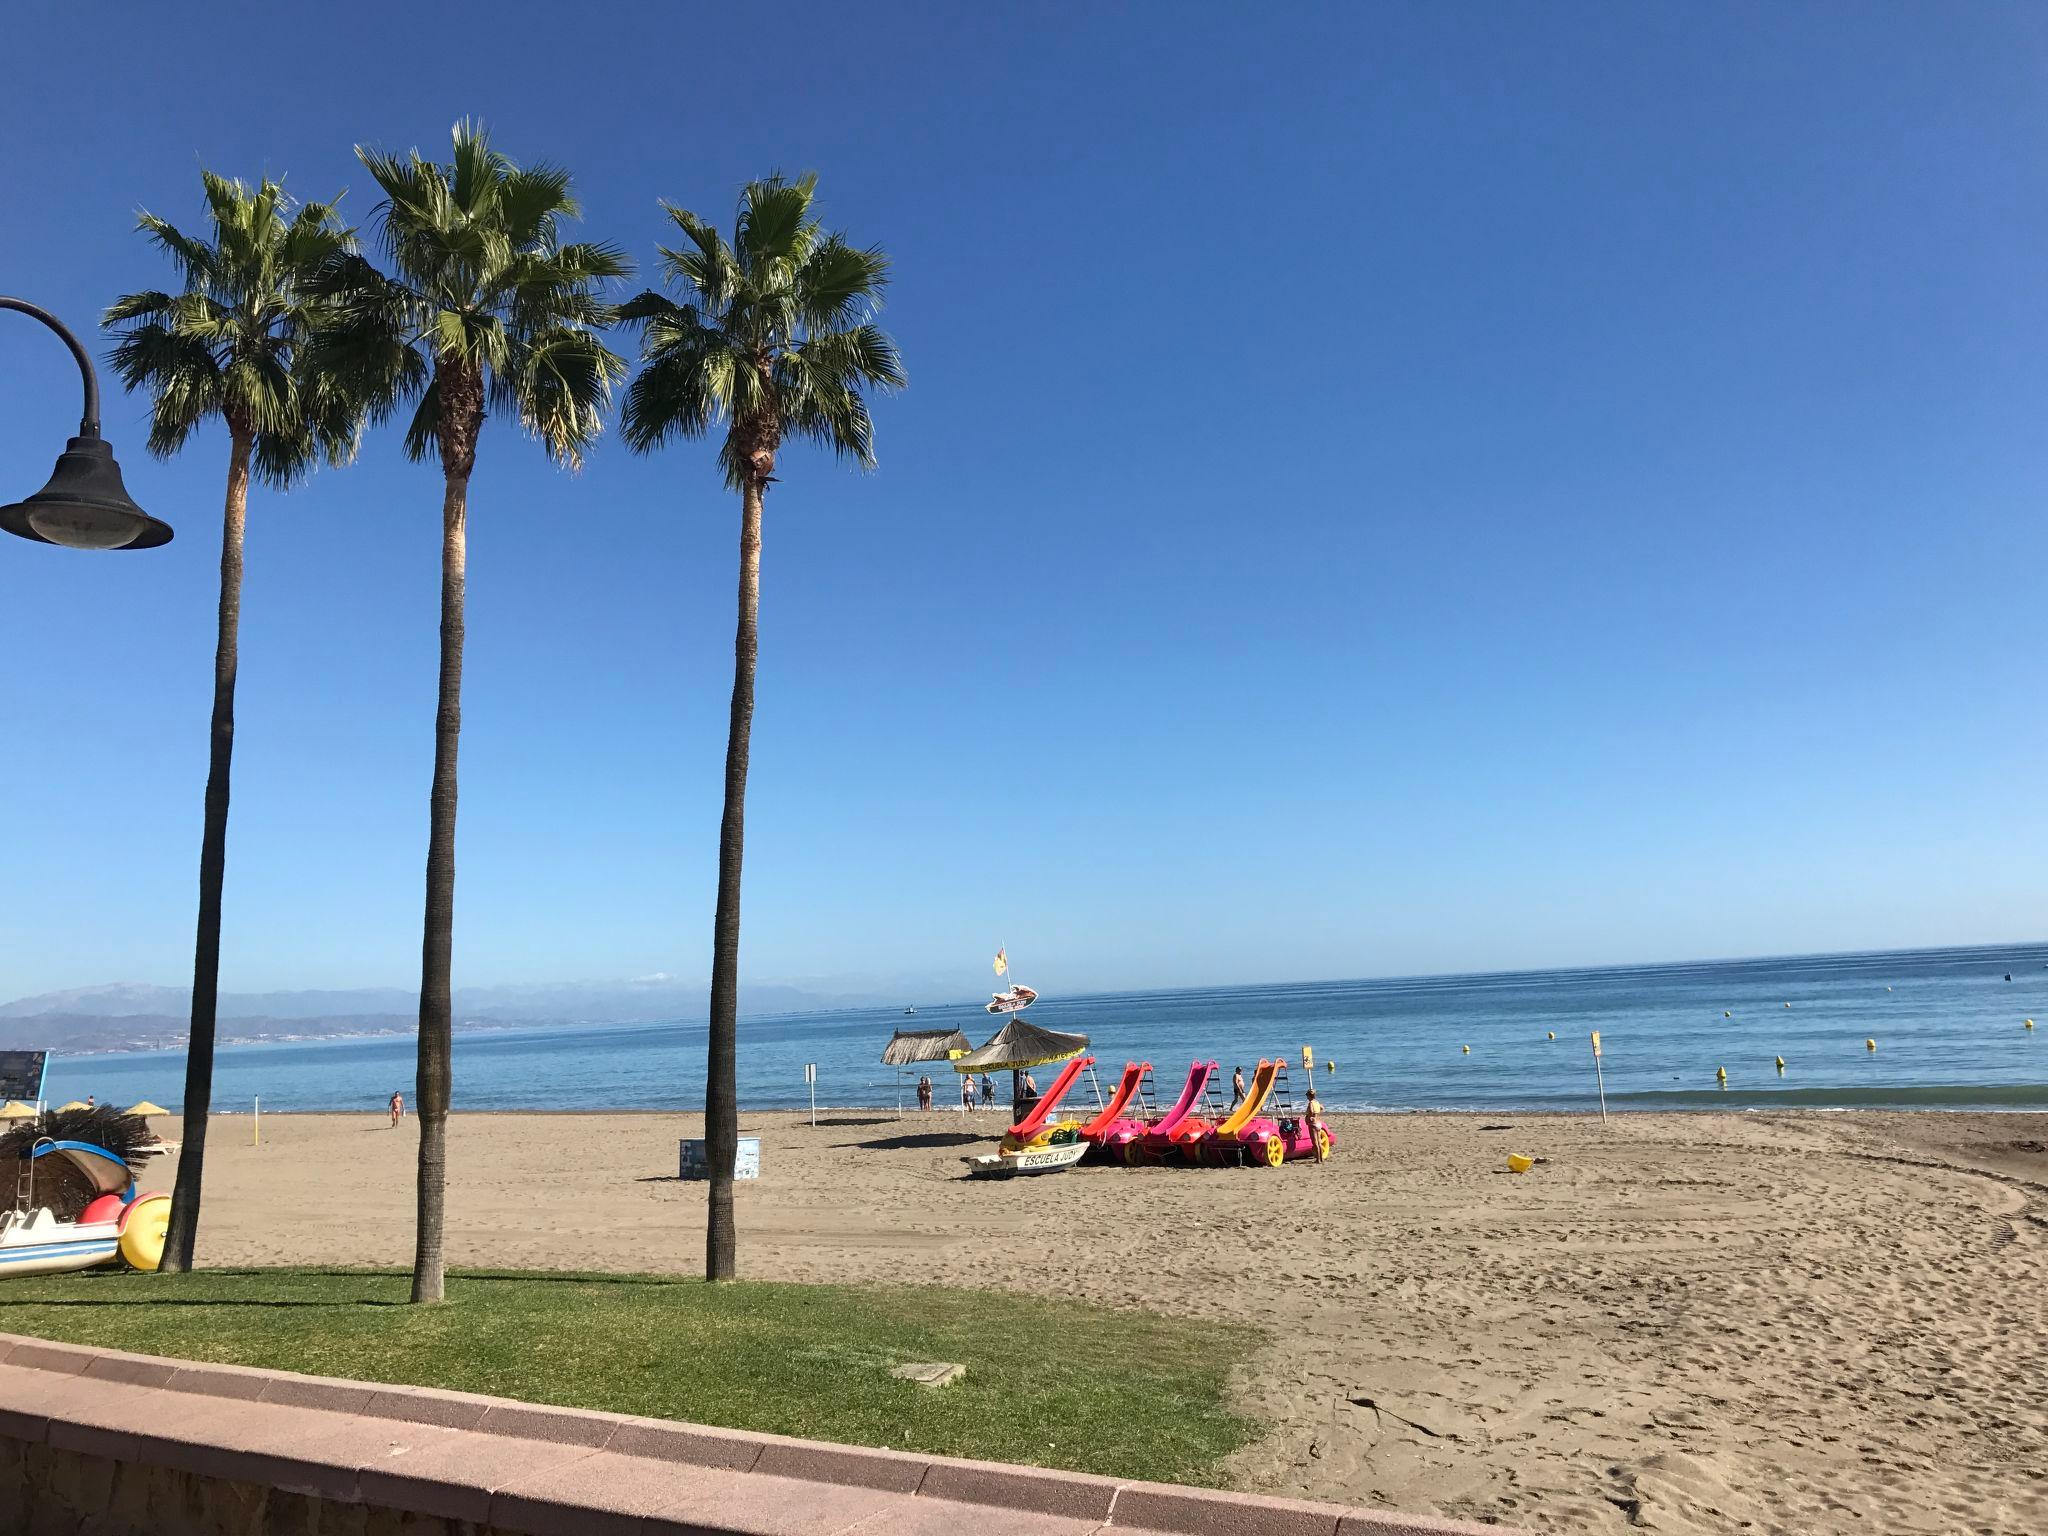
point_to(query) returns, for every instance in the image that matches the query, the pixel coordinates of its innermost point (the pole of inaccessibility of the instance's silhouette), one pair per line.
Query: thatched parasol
(907, 1047)
(1020, 1045)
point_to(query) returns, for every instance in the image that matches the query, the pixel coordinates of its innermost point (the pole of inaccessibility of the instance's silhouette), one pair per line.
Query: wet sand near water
(1773, 1323)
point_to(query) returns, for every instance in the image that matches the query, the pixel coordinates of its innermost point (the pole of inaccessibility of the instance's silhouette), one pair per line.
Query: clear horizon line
(1125, 990)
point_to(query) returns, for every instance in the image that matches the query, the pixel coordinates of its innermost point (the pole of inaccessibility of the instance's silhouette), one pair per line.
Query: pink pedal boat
(1174, 1132)
(1250, 1136)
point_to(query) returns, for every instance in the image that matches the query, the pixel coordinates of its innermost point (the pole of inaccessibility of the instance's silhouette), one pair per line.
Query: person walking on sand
(1237, 1088)
(397, 1109)
(988, 1090)
(924, 1093)
(967, 1091)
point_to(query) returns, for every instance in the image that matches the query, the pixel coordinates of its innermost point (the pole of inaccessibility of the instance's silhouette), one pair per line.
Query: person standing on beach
(1237, 1088)
(924, 1093)
(397, 1109)
(967, 1091)
(1028, 1097)
(988, 1090)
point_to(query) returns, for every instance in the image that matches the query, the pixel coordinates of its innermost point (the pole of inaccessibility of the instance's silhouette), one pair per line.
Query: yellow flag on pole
(1002, 963)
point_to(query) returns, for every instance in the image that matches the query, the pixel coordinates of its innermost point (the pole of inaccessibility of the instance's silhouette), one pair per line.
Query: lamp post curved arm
(89, 424)
(85, 505)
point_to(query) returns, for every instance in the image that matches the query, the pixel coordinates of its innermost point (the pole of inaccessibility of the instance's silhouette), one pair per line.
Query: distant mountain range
(140, 1016)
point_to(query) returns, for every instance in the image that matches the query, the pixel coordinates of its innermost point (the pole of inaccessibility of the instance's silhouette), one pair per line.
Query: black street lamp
(84, 506)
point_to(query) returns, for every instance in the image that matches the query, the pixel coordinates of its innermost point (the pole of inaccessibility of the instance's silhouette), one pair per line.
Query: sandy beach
(1786, 1323)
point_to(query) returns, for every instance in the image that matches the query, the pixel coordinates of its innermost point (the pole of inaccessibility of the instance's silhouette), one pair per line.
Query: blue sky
(1382, 489)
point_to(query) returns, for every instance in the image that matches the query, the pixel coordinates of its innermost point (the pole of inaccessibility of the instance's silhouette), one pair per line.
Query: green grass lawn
(1054, 1383)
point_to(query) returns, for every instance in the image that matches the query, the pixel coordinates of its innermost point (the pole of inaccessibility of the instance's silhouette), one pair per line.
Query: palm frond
(423, 432)
(150, 304)
(841, 285)
(563, 386)
(864, 356)
(197, 262)
(774, 230)
(532, 201)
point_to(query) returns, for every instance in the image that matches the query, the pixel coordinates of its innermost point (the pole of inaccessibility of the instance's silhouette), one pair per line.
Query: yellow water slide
(1254, 1101)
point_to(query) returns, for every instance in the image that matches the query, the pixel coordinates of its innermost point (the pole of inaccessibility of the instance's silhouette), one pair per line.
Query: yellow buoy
(1721, 1074)
(1781, 1063)
(1466, 1049)
(1870, 1045)
(1552, 1034)
(1520, 1164)
(143, 1226)
(2030, 1023)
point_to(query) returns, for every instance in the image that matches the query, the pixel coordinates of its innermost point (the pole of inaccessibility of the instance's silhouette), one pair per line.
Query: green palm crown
(484, 300)
(233, 342)
(775, 335)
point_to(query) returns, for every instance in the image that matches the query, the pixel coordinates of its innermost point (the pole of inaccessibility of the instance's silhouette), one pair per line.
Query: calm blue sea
(1947, 1025)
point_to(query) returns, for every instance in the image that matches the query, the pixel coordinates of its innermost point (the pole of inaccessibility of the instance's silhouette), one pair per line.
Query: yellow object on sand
(142, 1231)
(1520, 1164)
(147, 1108)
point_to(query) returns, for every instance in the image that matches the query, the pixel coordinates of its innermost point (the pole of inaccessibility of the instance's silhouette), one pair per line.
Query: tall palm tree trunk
(721, 1076)
(429, 1280)
(183, 1234)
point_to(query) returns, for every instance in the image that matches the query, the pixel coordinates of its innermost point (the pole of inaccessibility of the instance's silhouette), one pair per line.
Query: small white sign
(810, 1071)
(746, 1162)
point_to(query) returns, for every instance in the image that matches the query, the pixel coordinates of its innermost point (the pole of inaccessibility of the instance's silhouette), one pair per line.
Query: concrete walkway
(102, 1441)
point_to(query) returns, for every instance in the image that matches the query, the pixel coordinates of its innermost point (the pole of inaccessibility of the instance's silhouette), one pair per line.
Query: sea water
(1946, 1022)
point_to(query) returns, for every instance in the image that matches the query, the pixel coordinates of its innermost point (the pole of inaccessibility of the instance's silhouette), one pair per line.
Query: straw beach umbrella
(74, 1104)
(147, 1108)
(910, 1048)
(14, 1109)
(1019, 1046)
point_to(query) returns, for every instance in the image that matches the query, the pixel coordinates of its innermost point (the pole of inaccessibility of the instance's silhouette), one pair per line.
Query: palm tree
(776, 339)
(485, 308)
(231, 345)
